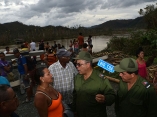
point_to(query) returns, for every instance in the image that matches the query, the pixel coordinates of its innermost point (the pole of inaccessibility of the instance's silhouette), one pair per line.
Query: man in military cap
(92, 93)
(136, 97)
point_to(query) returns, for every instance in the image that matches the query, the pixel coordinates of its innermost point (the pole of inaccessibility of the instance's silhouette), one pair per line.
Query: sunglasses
(79, 64)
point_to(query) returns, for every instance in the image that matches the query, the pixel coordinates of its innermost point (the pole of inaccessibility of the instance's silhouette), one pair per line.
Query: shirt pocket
(136, 101)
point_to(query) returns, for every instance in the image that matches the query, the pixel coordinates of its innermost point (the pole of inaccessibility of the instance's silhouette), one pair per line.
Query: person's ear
(133, 75)
(3, 105)
(41, 78)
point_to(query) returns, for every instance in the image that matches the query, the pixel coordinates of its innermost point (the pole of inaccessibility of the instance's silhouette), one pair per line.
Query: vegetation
(9, 32)
(146, 39)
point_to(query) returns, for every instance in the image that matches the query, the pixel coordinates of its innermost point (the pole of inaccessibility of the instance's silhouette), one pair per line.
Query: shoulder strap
(41, 92)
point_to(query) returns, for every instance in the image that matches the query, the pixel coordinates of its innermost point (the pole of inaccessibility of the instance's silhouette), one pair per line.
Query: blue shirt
(4, 81)
(21, 62)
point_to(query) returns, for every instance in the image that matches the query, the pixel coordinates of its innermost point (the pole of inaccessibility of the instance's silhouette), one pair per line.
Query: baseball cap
(4, 81)
(16, 50)
(127, 65)
(84, 55)
(63, 52)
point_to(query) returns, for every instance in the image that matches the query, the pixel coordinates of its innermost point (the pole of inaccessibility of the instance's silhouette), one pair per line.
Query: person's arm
(74, 99)
(23, 59)
(40, 102)
(7, 68)
(108, 97)
(26, 68)
(151, 103)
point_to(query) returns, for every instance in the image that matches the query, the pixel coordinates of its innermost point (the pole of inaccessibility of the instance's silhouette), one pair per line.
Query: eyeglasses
(78, 64)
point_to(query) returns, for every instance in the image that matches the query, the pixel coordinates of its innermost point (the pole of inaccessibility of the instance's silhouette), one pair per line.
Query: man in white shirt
(7, 51)
(32, 46)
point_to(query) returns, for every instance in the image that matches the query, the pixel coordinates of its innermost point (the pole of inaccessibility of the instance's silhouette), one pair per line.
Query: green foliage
(150, 15)
(116, 43)
(151, 38)
(147, 40)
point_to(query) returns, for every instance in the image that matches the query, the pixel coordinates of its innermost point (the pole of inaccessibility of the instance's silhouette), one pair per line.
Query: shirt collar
(61, 67)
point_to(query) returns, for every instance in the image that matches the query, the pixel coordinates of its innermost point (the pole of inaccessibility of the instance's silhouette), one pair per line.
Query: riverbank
(99, 43)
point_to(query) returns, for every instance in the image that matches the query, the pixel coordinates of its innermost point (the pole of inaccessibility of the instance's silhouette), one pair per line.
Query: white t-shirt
(32, 46)
(5, 52)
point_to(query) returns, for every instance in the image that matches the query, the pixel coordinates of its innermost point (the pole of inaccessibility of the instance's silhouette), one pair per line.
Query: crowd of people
(68, 85)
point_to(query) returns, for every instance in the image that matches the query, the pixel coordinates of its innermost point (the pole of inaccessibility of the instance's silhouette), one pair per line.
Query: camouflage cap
(127, 65)
(84, 55)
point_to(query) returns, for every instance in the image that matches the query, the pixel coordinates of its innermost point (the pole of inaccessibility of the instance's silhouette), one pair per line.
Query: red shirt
(80, 40)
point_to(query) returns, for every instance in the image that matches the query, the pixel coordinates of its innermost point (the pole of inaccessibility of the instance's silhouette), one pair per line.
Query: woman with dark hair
(142, 71)
(47, 100)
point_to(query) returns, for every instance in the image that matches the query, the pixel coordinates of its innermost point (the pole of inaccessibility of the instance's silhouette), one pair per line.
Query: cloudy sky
(69, 12)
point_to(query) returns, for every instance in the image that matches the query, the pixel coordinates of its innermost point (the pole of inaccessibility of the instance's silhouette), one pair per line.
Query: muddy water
(99, 43)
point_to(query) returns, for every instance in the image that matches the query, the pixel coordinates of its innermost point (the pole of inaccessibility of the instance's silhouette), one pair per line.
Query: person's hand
(100, 98)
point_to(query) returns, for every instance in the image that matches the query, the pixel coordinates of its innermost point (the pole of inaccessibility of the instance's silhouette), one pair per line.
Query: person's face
(2, 56)
(125, 76)
(17, 55)
(47, 78)
(65, 59)
(7, 49)
(12, 103)
(141, 54)
(82, 66)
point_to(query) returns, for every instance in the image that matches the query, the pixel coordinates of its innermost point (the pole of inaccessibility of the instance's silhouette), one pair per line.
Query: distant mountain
(122, 24)
(15, 26)
(112, 24)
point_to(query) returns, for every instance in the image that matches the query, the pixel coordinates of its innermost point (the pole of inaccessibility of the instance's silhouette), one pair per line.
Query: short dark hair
(135, 72)
(140, 49)
(39, 73)
(85, 45)
(3, 93)
(16, 50)
(6, 47)
(2, 53)
(80, 33)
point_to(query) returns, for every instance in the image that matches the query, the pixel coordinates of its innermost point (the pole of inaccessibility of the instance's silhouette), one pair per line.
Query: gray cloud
(10, 2)
(65, 12)
(123, 3)
(63, 6)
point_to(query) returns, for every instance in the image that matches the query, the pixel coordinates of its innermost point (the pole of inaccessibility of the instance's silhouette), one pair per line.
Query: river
(99, 43)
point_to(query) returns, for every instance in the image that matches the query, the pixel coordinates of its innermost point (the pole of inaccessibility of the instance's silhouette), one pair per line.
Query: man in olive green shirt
(92, 93)
(136, 97)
